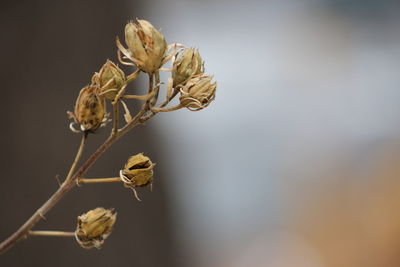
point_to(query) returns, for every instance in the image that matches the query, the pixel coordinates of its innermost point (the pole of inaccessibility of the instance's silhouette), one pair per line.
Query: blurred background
(295, 164)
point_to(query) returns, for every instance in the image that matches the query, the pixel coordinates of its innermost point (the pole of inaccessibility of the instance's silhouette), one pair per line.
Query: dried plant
(147, 52)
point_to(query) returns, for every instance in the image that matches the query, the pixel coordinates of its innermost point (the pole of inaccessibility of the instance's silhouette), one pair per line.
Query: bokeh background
(295, 164)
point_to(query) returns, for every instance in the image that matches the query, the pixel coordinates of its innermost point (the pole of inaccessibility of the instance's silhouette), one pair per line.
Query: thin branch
(98, 180)
(72, 178)
(116, 117)
(151, 89)
(157, 89)
(69, 183)
(130, 78)
(155, 110)
(23, 231)
(51, 233)
(179, 106)
(78, 156)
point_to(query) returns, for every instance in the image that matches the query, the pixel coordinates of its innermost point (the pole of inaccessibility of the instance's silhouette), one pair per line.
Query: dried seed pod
(198, 92)
(89, 109)
(94, 227)
(138, 171)
(146, 45)
(110, 79)
(188, 64)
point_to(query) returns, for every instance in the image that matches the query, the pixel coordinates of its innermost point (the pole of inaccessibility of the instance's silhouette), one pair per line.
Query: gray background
(50, 49)
(295, 164)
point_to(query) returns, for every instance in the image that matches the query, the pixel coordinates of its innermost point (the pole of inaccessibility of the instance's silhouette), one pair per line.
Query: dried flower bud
(198, 92)
(146, 45)
(94, 227)
(138, 171)
(89, 109)
(110, 79)
(187, 65)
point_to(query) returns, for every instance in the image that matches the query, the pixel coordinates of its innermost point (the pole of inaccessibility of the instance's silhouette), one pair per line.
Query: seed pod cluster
(148, 51)
(196, 89)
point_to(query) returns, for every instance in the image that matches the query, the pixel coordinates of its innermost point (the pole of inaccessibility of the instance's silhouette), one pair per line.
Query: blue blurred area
(282, 169)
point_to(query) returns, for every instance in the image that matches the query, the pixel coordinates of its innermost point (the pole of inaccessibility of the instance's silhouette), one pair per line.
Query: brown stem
(72, 178)
(155, 110)
(77, 157)
(69, 183)
(179, 106)
(116, 117)
(23, 231)
(132, 76)
(151, 90)
(51, 233)
(98, 180)
(157, 89)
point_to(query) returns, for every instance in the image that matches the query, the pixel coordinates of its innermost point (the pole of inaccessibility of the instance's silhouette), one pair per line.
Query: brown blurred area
(49, 51)
(347, 216)
(353, 223)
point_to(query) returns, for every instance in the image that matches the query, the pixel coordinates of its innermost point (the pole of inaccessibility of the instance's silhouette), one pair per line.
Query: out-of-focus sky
(306, 109)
